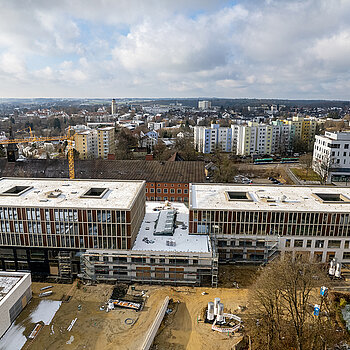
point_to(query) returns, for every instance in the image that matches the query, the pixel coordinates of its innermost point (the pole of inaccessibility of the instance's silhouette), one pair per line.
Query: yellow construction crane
(69, 138)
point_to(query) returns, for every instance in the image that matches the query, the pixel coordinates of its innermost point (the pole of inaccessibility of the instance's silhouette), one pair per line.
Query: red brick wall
(162, 191)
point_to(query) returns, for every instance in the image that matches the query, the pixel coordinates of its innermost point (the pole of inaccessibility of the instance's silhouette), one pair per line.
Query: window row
(63, 228)
(165, 190)
(269, 229)
(269, 217)
(36, 240)
(64, 215)
(320, 243)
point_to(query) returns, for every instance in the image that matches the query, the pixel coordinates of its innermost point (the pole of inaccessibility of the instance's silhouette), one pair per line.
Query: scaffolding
(147, 271)
(65, 266)
(215, 262)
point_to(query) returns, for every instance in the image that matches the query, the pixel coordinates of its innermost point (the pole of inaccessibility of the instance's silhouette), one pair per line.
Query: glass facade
(269, 223)
(65, 228)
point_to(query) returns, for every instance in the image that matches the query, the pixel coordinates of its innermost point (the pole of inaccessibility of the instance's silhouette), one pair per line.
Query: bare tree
(306, 161)
(322, 167)
(281, 304)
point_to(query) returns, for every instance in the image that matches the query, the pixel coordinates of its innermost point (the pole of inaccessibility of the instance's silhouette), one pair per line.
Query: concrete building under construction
(255, 223)
(104, 230)
(100, 229)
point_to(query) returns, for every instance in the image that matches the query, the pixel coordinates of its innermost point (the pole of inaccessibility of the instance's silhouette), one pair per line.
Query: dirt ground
(95, 329)
(231, 276)
(181, 330)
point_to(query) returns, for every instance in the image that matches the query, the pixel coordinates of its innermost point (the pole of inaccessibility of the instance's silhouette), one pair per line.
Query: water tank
(210, 312)
(216, 305)
(337, 271)
(220, 315)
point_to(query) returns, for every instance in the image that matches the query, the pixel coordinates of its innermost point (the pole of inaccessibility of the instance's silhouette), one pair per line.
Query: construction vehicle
(12, 149)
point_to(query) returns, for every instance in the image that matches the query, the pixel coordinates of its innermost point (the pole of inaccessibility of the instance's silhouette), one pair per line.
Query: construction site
(63, 318)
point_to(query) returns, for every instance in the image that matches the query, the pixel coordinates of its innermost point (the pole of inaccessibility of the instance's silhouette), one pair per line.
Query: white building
(331, 157)
(254, 222)
(149, 139)
(207, 140)
(156, 125)
(15, 293)
(204, 105)
(244, 140)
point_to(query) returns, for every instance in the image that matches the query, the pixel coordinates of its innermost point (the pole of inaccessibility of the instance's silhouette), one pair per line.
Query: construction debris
(71, 325)
(44, 288)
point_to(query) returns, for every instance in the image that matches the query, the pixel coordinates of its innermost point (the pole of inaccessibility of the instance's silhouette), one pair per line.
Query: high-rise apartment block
(304, 129)
(207, 140)
(86, 144)
(95, 143)
(105, 141)
(245, 140)
(204, 105)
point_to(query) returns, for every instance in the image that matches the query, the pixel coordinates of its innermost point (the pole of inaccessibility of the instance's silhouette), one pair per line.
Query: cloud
(12, 65)
(252, 48)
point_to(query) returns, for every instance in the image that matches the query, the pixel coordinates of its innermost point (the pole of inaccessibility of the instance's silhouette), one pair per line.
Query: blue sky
(151, 48)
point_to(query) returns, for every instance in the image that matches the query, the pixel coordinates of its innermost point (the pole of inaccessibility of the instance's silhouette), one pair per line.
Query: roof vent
(54, 194)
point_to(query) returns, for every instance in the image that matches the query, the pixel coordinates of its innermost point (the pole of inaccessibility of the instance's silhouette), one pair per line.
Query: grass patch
(305, 174)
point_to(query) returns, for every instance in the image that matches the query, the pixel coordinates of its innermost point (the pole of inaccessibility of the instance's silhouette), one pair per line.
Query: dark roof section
(186, 171)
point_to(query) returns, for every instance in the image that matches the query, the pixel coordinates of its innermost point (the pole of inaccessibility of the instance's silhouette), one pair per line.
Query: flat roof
(184, 242)
(65, 193)
(9, 282)
(270, 198)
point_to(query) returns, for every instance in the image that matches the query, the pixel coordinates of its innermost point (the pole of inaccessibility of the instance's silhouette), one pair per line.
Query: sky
(293, 49)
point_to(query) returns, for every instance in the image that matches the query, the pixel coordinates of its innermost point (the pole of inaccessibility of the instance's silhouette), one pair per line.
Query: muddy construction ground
(96, 329)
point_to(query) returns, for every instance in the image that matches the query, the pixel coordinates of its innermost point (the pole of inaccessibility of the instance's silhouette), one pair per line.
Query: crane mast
(69, 138)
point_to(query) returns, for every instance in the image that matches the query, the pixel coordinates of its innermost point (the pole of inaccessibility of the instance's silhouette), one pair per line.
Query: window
(159, 190)
(334, 243)
(287, 243)
(346, 146)
(298, 243)
(165, 190)
(346, 255)
(179, 191)
(152, 190)
(319, 244)
(172, 190)
(346, 244)
(308, 243)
